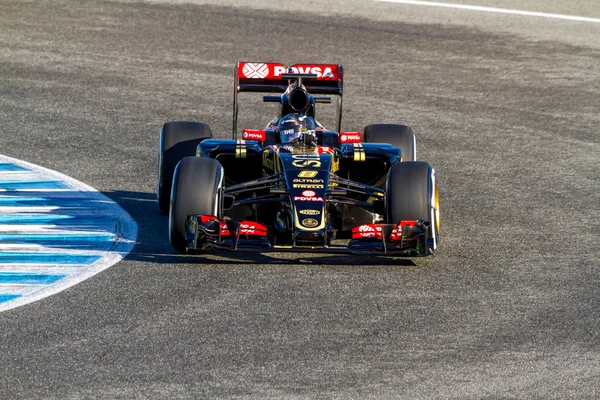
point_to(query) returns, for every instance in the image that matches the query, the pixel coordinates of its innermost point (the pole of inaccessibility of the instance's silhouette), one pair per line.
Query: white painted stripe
(25, 267)
(21, 289)
(54, 229)
(38, 269)
(49, 250)
(495, 10)
(53, 190)
(40, 209)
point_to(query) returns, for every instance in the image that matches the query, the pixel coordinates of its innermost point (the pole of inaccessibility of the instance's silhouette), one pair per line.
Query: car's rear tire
(197, 186)
(178, 139)
(400, 136)
(412, 194)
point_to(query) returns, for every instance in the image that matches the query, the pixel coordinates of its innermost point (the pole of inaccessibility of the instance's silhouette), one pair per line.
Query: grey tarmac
(505, 109)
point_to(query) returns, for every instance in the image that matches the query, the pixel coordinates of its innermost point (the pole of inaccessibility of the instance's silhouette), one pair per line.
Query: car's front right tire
(178, 139)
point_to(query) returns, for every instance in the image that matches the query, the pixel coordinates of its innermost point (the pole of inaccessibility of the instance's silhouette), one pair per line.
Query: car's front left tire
(412, 194)
(197, 190)
(400, 136)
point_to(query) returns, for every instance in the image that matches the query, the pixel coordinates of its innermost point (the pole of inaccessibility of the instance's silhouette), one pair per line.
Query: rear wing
(275, 78)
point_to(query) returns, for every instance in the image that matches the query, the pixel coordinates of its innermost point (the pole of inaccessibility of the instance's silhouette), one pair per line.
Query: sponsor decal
(298, 180)
(307, 186)
(309, 222)
(349, 137)
(254, 134)
(306, 161)
(305, 198)
(322, 72)
(247, 228)
(307, 174)
(374, 231)
(308, 211)
(308, 193)
(255, 70)
(368, 228)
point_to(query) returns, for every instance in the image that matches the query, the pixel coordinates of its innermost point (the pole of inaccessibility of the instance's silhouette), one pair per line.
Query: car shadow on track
(153, 244)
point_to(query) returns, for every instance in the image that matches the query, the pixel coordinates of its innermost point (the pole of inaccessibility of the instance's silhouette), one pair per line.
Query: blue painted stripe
(45, 184)
(21, 197)
(46, 258)
(55, 237)
(34, 218)
(8, 297)
(21, 278)
(12, 167)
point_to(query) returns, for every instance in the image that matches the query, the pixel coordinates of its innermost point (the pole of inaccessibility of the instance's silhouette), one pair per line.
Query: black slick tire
(411, 194)
(196, 190)
(400, 136)
(178, 139)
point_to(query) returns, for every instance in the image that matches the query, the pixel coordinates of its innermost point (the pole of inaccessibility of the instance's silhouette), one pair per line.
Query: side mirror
(379, 206)
(228, 201)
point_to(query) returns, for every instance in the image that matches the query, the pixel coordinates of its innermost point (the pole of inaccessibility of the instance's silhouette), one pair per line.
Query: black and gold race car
(296, 186)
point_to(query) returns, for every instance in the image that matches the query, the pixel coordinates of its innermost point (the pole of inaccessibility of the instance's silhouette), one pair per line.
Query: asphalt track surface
(508, 308)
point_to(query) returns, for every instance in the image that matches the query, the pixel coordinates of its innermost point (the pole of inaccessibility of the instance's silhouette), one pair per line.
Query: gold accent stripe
(359, 152)
(240, 148)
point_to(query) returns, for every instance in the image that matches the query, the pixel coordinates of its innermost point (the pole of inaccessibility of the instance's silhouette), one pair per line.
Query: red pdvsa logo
(350, 137)
(254, 134)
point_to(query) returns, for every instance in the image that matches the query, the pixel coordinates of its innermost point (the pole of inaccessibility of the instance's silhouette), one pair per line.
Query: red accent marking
(207, 218)
(254, 134)
(251, 228)
(408, 223)
(349, 137)
(224, 229)
(259, 70)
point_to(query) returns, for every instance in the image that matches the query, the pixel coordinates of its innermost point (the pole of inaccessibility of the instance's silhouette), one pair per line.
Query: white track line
(494, 10)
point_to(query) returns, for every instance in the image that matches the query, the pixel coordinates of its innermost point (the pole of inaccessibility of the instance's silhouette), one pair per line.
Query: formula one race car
(296, 186)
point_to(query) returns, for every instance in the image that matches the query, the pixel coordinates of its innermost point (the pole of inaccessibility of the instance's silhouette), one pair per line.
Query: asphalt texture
(508, 308)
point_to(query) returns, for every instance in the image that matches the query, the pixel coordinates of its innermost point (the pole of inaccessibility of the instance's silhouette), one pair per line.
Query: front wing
(405, 239)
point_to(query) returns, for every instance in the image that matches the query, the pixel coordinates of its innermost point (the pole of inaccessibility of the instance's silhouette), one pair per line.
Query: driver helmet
(297, 129)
